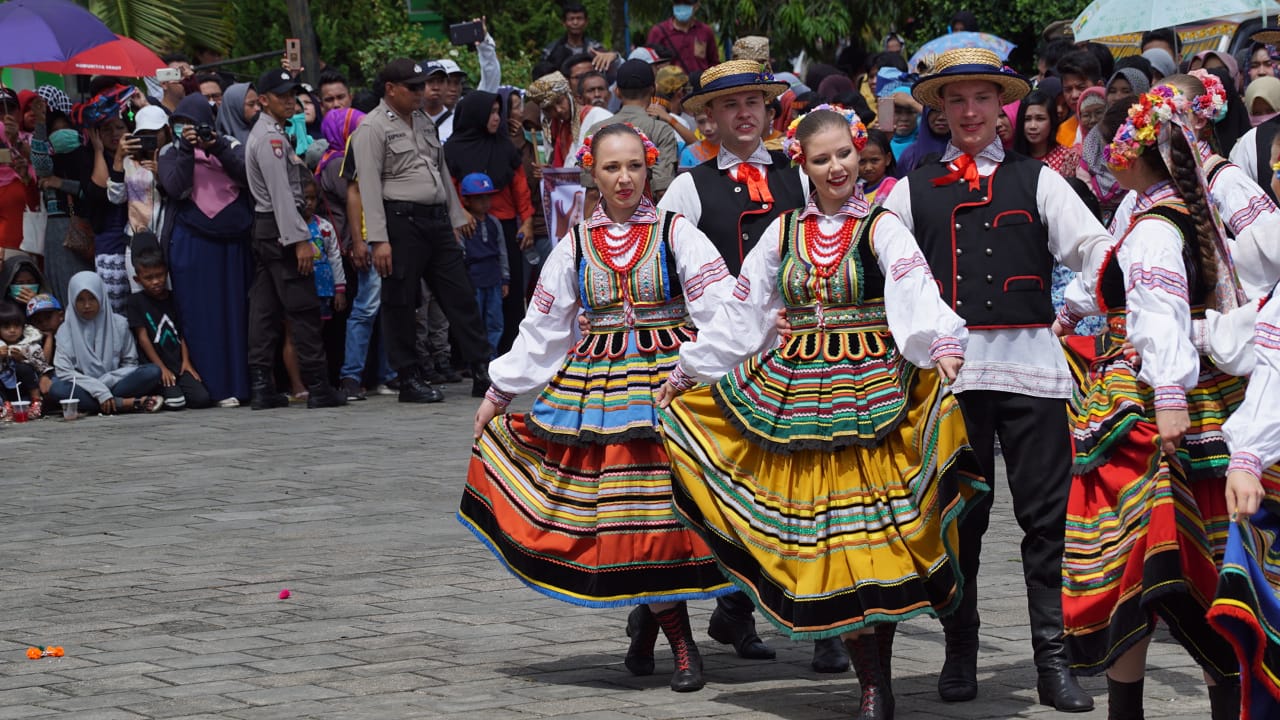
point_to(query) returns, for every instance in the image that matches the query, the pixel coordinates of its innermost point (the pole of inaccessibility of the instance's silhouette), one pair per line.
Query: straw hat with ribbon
(731, 77)
(1267, 36)
(969, 64)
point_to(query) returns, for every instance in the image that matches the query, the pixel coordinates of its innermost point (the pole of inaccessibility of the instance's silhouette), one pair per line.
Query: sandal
(148, 404)
(36, 411)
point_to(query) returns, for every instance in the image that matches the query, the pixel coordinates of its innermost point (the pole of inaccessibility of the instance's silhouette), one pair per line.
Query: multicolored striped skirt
(824, 541)
(1247, 608)
(590, 522)
(1145, 536)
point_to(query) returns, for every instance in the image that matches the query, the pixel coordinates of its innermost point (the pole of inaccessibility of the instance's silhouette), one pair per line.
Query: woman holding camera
(203, 174)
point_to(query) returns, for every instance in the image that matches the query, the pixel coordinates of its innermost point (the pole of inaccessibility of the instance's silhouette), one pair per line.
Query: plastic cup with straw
(71, 405)
(20, 406)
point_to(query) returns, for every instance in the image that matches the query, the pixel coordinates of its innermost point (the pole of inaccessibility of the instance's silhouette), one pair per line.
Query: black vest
(1111, 286)
(988, 248)
(1266, 132)
(730, 219)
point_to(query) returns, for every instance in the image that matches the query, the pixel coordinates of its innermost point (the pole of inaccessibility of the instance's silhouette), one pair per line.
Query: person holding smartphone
(17, 191)
(132, 183)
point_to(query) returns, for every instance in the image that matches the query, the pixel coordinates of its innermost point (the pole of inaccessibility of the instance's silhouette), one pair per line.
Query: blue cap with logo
(41, 303)
(477, 184)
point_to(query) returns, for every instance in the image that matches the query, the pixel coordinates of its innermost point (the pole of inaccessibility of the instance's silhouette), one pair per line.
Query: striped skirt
(575, 498)
(828, 542)
(1247, 608)
(1145, 536)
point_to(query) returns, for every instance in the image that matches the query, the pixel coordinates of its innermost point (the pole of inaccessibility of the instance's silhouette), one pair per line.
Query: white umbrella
(1103, 18)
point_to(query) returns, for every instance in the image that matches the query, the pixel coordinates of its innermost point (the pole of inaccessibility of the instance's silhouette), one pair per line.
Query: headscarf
(504, 108)
(15, 262)
(337, 126)
(231, 120)
(212, 189)
(1266, 88)
(833, 86)
(927, 143)
(96, 343)
(1092, 95)
(1161, 61)
(1139, 82)
(55, 98)
(1011, 114)
(1233, 67)
(561, 134)
(1235, 124)
(473, 149)
(25, 98)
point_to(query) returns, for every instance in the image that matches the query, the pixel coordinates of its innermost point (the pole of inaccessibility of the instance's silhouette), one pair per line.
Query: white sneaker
(229, 403)
(384, 390)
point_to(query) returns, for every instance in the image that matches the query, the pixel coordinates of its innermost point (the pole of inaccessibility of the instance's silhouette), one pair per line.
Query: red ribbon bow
(966, 168)
(758, 189)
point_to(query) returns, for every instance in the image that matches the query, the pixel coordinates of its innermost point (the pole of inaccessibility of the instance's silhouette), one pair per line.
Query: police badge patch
(277, 147)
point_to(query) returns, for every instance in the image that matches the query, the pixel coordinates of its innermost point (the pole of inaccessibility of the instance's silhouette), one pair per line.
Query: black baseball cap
(635, 75)
(277, 81)
(404, 70)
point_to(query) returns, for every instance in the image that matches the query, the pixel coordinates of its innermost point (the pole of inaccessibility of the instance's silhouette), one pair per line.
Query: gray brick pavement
(153, 548)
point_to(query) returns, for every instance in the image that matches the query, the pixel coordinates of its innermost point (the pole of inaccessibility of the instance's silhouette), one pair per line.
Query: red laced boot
(675, 625)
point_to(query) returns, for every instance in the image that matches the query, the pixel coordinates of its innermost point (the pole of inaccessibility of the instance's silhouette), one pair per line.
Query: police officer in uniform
(733, 198)
(411, 213)
(284, 256)
(991, 223)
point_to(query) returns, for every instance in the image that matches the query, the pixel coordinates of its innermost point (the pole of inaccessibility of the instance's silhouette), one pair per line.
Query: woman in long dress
(1146, 517)
(828, 472)
(574, 497)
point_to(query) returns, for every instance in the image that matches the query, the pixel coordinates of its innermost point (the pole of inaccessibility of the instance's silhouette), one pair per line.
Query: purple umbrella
(47, 30)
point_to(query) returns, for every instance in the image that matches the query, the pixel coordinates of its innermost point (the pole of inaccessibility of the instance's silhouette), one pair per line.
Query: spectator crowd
(146, 229)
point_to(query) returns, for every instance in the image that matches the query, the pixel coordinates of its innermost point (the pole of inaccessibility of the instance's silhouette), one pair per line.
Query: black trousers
(513, 304)
(1035, 440)
(192, 392)
(27, 377)
(279, 292)
(423, 247)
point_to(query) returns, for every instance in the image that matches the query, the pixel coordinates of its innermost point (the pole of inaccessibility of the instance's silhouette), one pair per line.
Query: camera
(205, 132)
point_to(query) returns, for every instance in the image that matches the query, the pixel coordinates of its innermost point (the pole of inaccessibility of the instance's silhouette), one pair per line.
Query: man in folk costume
(733, 198)
(991, 224)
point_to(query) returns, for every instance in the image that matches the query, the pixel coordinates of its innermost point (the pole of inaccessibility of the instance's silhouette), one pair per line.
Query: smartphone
(168, 74)
(467, 33)
(146, 143)
(884, 114)
(6, 156)
(293, 53)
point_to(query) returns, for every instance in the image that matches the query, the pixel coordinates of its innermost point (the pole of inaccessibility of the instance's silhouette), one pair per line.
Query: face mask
(16, 290)
(178, 129)
(64, 141)
(682, 13)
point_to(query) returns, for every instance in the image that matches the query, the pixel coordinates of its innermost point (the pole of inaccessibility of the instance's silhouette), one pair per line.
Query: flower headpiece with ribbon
(1212, 105)
(857, 131)
(1149, 119)
(586, 160)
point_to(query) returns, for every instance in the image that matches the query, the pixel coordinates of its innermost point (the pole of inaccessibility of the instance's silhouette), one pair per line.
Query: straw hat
(731, 77)
(969, 64)
(751, 47)
(1267, 36)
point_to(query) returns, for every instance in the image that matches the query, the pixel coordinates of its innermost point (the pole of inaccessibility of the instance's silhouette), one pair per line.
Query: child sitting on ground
(45, 314)
(486, 254)
(20, 353)
(97, 357)
(153, 317)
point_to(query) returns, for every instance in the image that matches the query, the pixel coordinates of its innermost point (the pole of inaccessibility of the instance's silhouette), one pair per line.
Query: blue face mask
(178, 129)
(64, 141)
(682, 13)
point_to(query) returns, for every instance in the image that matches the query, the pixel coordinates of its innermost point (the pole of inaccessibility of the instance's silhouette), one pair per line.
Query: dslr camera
(205, 132)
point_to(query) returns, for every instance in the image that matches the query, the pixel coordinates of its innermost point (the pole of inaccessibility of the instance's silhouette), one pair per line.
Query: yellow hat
(731, 77)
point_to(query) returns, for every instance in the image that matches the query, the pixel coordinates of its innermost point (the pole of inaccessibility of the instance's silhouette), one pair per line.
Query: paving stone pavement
(153, 549)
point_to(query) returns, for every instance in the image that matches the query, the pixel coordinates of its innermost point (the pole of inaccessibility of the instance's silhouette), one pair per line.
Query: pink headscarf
(1011, 112)
(336, 127)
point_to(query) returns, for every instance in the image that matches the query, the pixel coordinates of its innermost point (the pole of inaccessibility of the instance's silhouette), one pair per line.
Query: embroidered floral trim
(679, 379)
(1171, 397)
(945, 347)
(498, 397)
(1245, 462)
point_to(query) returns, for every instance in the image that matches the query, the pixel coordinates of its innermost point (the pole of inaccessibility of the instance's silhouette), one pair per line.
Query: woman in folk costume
(827, 472)
(1146, 518)
(1250, 217)
(575, 496)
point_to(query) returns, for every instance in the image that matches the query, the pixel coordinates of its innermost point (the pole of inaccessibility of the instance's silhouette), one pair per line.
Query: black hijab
(473, 149)
(1236, 123)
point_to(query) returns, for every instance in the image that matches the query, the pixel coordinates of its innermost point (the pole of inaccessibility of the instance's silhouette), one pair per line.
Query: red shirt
(695, 48)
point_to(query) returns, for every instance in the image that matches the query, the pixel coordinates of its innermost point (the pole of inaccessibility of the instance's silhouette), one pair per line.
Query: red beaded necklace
(611, 247)
(826, 251)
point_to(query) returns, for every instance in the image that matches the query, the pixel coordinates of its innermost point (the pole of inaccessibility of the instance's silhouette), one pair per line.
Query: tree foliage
(1019, 21)
(167, 24)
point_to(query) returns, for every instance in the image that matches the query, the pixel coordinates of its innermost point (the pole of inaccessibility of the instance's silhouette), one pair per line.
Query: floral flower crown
(586, 160)
(857, 131)
(1212, 105)
(1152, 113)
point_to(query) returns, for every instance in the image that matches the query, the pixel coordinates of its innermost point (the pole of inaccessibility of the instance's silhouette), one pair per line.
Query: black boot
(675, 625)
(1124, 700)
(322, 395)
(643, 631)
(479, 379)
(885, 633)
(262, 390)
(1224, 700)
(829, 656)
(958, 681)
(414, 389)
(444, 366)
(877, 697)
(733, 624)
(1055, 684)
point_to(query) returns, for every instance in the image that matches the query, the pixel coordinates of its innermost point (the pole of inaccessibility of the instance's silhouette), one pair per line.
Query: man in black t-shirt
(156, 325)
